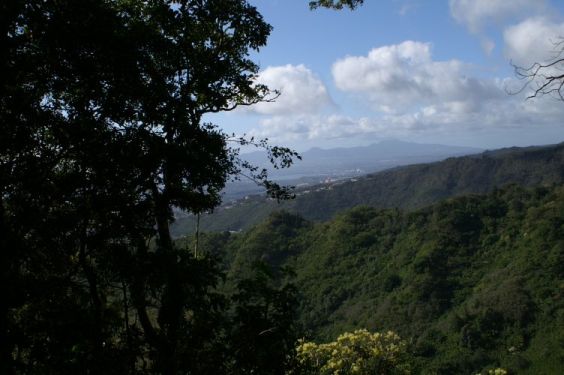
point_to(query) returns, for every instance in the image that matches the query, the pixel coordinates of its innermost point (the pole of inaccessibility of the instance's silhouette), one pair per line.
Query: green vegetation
(101, 108)
(472, 283)
(409, 187)
(359, 352)
(102, 134)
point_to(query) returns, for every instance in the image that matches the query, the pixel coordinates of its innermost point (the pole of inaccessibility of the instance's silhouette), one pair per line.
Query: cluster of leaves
(359, 352)
(497, 371)
(335, 4)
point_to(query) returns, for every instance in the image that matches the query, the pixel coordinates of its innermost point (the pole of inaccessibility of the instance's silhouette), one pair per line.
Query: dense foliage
(472, 283)
(408, 187)
(102, 133)
(101, 112)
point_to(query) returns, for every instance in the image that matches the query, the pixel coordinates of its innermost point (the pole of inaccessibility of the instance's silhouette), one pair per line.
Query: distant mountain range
(407, 187)
(318, 164)
(376, 157)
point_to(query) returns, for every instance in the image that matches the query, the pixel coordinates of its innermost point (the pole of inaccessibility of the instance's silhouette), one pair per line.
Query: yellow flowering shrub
(497, 371)
(358, 352)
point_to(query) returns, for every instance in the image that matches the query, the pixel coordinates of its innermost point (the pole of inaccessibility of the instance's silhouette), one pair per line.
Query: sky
(426, 71)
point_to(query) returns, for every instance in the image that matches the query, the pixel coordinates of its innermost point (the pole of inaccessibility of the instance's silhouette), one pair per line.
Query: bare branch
(544, 77)
(262, 99)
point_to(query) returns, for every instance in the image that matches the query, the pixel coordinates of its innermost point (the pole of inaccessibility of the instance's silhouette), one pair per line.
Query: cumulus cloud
(316, 127)
(533, 40)
(476, 14)
(409, 93)
(404, 77)
(301, 91)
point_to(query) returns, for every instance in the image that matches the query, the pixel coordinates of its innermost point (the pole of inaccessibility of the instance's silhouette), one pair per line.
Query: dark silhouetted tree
(102, 108)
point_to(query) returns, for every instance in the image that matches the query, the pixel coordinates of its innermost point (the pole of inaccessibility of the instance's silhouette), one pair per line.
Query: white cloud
(450, 118)
(532, 40)
(301, 91)
(307, 127)
(410, 95)
(476, 14)
(320, 128)
(403, 78)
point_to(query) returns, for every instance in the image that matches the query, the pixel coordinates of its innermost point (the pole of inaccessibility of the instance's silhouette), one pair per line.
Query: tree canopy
(102, 107)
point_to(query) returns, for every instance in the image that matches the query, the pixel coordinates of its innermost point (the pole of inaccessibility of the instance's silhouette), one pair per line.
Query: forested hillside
(114, 123)
(406, 187)
(473, 281)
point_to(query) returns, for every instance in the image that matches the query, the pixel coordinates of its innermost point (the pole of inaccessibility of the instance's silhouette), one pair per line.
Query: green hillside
(472, 282)
(406, 187)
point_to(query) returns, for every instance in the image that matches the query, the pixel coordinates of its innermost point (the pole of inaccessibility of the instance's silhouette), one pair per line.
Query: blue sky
(416, 70)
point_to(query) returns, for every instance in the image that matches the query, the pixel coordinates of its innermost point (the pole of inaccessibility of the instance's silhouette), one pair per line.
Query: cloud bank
(402, 78)
(477, 14)
(409, 93)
